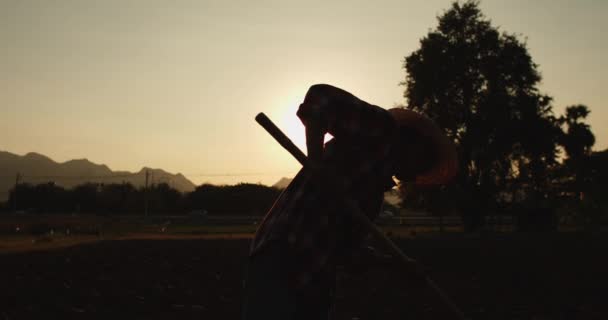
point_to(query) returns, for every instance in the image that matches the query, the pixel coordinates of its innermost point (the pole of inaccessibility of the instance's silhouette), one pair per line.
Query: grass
(43, 232)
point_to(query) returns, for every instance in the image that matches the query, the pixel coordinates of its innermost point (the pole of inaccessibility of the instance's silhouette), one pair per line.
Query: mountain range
(36, 168)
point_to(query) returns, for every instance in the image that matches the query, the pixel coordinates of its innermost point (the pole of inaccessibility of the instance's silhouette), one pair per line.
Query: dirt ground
(560, 276)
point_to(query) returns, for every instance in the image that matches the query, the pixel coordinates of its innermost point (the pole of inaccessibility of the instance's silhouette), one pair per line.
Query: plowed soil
(559, 276)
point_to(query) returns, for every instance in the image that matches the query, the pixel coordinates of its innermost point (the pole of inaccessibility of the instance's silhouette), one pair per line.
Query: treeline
(124, 199)
(516, 156)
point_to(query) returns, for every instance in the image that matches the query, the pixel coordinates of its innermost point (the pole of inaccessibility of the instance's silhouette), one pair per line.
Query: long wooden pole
(411, 264)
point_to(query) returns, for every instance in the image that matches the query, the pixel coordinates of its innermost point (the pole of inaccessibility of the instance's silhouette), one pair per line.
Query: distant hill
(36, 168)
(283, 183)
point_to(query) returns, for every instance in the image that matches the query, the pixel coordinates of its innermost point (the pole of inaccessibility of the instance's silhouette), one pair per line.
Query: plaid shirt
(311, 221)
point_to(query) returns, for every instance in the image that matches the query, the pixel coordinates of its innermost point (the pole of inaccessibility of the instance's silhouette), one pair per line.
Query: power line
(236, 174)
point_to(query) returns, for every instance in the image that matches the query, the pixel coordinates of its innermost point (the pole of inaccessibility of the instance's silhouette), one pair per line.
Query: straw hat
(446, 166)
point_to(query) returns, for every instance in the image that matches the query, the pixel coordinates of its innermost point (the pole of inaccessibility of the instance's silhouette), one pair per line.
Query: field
(508, 276)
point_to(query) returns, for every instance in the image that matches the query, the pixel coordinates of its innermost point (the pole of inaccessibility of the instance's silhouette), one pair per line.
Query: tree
(577, 139)
(84, 197)
(579, 176)
(40, 198)
(243, 198)
(165, 200)
(481, 87)
(598, 183)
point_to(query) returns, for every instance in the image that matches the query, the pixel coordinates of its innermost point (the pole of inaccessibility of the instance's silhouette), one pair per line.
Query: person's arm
(327, 109)
(314, 114)
(315, 136)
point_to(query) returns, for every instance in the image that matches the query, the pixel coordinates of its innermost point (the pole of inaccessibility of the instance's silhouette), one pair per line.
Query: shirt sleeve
(343, 115)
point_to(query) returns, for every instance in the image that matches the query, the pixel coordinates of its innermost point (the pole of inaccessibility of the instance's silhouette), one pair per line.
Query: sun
(291, 124)
(293, 127)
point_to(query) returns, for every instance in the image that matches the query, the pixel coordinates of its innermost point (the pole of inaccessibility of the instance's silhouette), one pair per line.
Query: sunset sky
(177, 84)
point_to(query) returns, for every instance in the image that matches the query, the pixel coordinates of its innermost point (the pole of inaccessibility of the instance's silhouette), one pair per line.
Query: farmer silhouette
(293, 256)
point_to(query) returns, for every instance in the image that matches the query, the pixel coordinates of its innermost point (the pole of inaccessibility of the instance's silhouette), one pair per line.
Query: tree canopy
(481, 86)
(124, 198)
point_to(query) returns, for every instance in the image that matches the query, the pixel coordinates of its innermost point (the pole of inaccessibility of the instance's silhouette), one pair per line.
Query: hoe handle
(281, 138)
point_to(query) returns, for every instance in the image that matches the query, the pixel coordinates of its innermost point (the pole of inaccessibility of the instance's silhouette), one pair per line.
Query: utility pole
(17, 180)
(146, 193)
